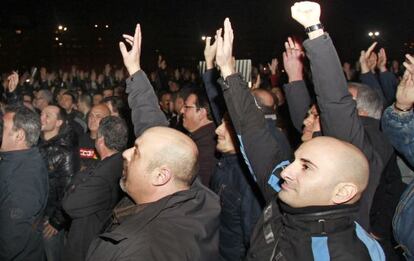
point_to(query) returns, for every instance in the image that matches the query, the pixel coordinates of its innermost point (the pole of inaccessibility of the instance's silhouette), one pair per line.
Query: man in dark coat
(95, 191)
(23, 187)
(171, 217)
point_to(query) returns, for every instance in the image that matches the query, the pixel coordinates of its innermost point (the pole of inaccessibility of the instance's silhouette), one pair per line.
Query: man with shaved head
(313, 202)
(87, 150)
(168, 215)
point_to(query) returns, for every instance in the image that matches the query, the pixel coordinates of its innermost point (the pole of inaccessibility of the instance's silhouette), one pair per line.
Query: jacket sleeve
(86, 197)
(65, 168)
(299, 102)
(389, 86)
(261, 151)
(398, 127)
(214, 95)
(371, 80)
(338, 113)
(145, 111)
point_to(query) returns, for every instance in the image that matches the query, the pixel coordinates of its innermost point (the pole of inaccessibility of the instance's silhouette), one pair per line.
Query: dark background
(28, 29)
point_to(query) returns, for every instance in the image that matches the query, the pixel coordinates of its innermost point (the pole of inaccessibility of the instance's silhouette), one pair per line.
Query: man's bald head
(264, 98)
(175, 150)
(163, 161)
(326, 171)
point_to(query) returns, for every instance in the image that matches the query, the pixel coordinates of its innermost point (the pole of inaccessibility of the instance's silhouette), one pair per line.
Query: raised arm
(398, 119)
(297, 94)
(145, 111)
(210, 78)
(339, 117)
(258, 146)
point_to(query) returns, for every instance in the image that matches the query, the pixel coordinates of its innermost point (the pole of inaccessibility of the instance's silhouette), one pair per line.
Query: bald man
(313, 202)
(87, 151)
(169, 218)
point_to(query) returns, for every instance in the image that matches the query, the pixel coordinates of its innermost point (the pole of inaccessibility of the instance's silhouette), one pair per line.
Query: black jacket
(58, 153)
(205, 139)
(89, 201)
(23, 198)
(241, 205)
(338, 113)
(265, 158)
(182, 226)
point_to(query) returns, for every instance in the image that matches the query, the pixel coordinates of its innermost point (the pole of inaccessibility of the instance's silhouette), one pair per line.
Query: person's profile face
(191, 114)
(308, 180)
(225, 142)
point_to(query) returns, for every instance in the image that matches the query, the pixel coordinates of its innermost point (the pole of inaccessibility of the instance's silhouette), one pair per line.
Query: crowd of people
(306, 163)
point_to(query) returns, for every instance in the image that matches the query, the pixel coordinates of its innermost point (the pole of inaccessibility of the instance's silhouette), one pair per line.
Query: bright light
(203, 38)
(65, 28)
(60, 44)
(96, 26)
(18, 31)
(60, 27)
(376, 33)
(56, 38)
(106, 26)
(370, 34)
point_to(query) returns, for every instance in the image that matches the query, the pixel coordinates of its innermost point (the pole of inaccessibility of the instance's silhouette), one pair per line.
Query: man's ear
(203, 113)
(59, 123)
(161, 176)
(344, 192)
(20, 135)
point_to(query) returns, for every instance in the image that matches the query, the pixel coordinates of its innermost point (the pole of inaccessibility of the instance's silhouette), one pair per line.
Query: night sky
(175, 28)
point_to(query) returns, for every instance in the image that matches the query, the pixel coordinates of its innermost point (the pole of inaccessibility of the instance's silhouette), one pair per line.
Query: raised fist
(306, 13)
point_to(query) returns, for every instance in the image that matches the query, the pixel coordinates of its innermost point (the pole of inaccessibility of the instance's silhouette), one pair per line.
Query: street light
(65, 28)
(377, 33)
(96, 26)
(60, 27)
(106, 26)
(56, 38)
(203, 38)
(370, 34)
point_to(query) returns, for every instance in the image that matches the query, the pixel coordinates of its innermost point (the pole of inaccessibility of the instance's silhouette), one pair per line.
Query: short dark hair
(117, 103)
(72, 95)
(202, 101)
(28, 121)
(87, 99)
(114, 131)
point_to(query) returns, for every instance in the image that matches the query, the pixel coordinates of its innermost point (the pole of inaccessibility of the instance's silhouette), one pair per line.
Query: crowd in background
(218, 169)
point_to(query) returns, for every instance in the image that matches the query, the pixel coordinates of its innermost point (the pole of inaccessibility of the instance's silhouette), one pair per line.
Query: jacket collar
(319, 220)
(205, 131)
(141, 215)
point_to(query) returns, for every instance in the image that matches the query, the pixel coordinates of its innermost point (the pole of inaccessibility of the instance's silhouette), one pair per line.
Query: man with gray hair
(369, 105)
(94, 192)
(23, 187)
(368, 101)
(42, 99)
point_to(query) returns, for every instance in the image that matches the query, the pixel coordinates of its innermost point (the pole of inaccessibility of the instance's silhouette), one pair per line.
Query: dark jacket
(58, 153)
(312, 234)
(23, 198)
(338, 113)
(182, 226)
(241, 205)
(263, 154)
(205, 139)
(89, 202)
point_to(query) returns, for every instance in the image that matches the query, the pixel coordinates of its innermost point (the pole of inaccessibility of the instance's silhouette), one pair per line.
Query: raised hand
(409, 66)
(306, 13)
(273, 66)
(364, 59)
(132, 57)
(405, 92)
(12, 81)
(225, 50)
(210, 51)
(293, 60)
(382, 60)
